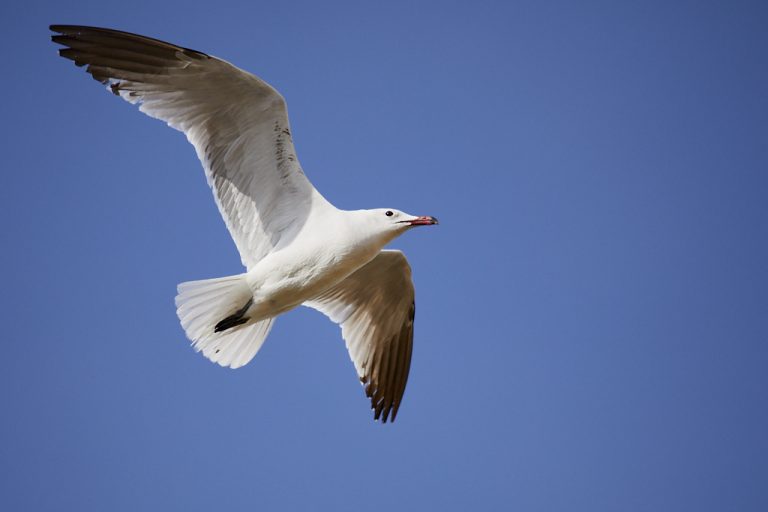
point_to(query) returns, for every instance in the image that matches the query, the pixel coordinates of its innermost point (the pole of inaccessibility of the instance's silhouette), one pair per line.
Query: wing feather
(375, 308)
(237, 123)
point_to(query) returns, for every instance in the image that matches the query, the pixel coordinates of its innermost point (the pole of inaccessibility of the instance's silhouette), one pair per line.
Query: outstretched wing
(237, 123)
(375, 308)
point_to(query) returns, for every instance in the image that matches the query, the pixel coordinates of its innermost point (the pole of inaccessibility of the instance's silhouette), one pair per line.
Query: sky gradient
(592, 311)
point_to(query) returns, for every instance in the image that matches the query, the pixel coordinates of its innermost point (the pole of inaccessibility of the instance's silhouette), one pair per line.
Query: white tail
(202, 305)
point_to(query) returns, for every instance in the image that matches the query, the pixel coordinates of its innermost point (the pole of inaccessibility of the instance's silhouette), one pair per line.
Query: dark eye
(389, 213)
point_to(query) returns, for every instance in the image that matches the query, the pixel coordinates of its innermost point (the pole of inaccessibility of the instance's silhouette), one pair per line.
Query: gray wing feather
(376, 309)
(237, 123)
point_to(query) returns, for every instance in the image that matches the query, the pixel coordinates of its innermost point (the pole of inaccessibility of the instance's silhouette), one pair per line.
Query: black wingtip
(61, 29)
(110, 34)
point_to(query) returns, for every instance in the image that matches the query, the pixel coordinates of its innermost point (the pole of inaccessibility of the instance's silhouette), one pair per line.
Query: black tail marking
(235, 319)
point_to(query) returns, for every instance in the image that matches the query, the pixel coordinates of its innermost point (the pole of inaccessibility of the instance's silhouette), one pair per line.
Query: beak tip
(426, 220)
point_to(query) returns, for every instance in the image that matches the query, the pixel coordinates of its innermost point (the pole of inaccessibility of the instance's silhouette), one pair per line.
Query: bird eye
(389, 213)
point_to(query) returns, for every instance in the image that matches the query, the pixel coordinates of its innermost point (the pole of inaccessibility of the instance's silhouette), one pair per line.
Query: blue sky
(592, 327)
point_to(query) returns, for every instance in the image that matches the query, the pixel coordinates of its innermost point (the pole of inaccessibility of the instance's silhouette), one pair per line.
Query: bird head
(391, 223)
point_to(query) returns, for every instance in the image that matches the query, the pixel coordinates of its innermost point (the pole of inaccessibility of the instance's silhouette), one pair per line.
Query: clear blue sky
(592, 327)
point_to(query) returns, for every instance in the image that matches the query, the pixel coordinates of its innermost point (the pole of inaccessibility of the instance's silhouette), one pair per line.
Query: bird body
(297, 248)
(316, 260)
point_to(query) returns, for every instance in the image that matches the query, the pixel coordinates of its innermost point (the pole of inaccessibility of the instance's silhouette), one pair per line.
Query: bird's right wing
(237, 123)
(375, 308)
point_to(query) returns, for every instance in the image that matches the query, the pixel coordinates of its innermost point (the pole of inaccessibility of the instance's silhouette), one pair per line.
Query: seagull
(297, 248)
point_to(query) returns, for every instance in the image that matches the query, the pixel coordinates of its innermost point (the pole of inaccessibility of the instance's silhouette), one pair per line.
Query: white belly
(283, 281)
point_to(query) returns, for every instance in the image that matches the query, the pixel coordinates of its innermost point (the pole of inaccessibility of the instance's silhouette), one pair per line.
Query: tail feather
(202, 306)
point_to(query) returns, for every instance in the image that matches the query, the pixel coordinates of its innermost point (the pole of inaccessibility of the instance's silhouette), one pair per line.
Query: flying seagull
(297, 248)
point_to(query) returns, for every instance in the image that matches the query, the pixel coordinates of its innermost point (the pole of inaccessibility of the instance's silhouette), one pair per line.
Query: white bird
(297, 248)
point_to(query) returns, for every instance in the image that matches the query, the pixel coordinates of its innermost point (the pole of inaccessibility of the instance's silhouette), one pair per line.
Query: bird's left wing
(375, 308)
(237, 122)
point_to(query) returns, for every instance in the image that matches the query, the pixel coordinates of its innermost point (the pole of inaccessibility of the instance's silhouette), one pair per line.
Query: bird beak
(421, 221)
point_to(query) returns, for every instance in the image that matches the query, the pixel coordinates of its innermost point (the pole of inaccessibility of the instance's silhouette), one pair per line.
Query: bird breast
(287, 278)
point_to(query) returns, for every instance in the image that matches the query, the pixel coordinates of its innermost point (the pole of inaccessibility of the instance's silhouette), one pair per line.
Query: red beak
(422, 221)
